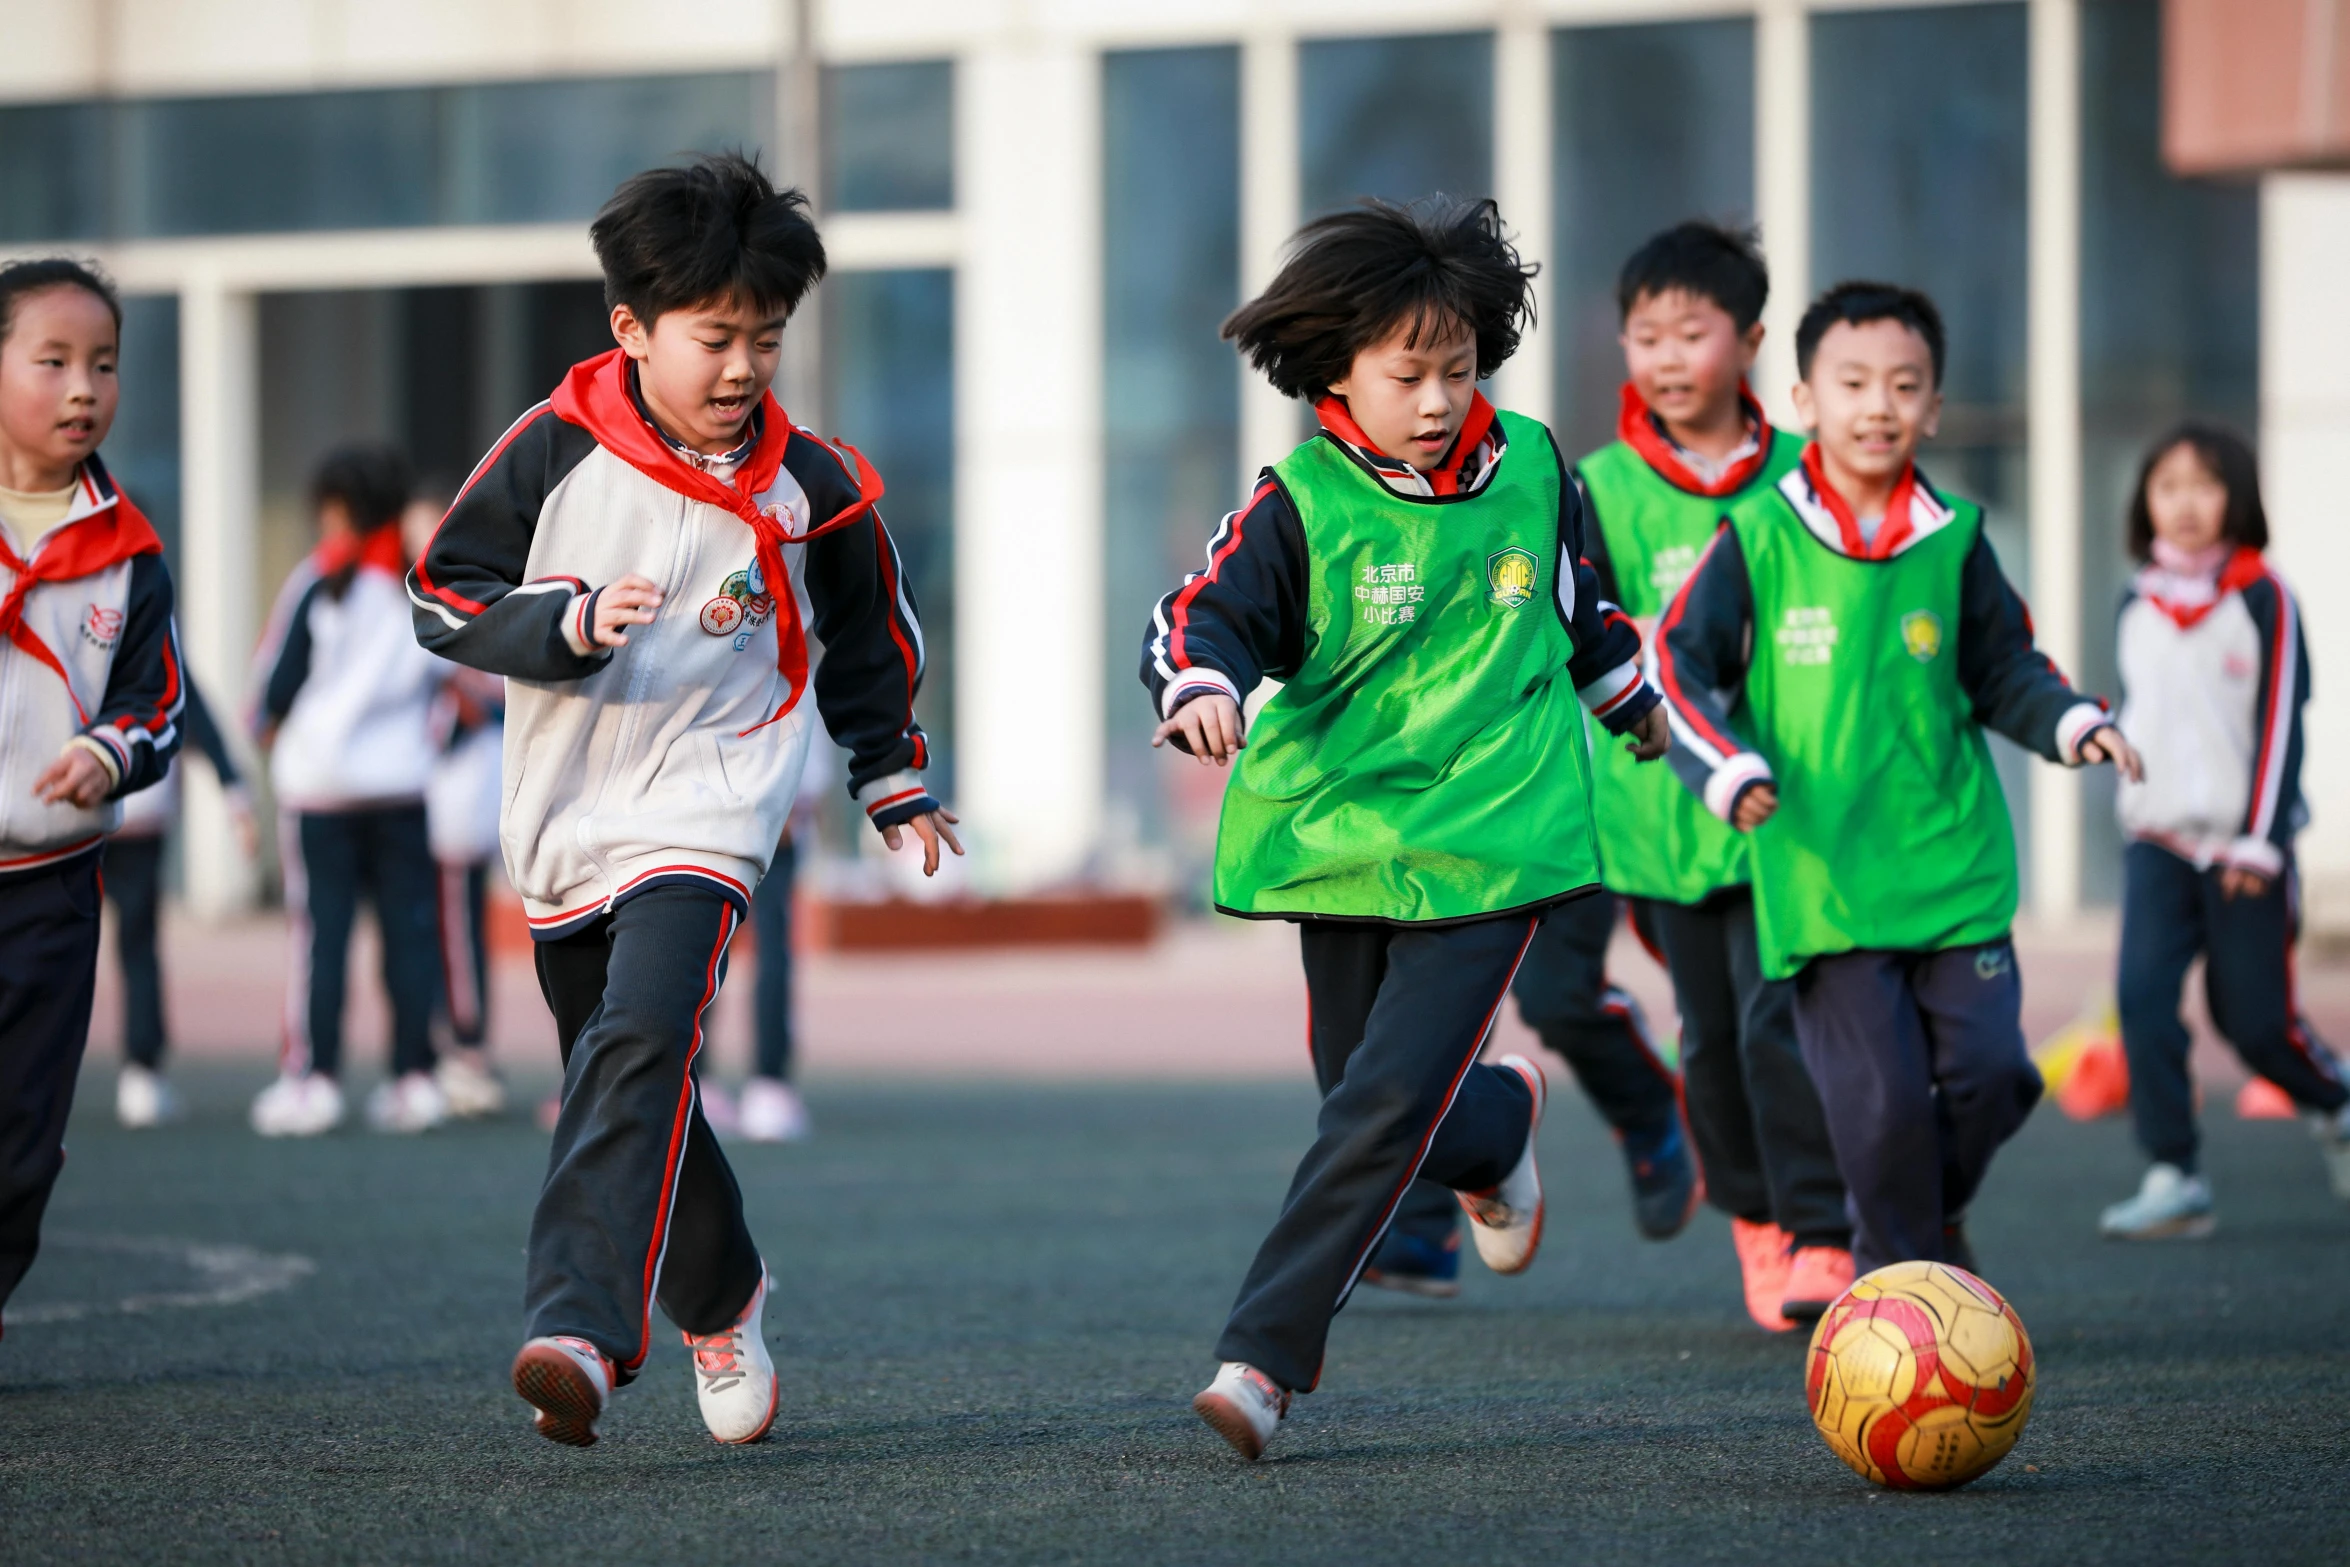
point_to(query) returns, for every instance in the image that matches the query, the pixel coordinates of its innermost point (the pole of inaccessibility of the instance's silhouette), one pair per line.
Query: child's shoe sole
(552, 1383)
(1229, 1421)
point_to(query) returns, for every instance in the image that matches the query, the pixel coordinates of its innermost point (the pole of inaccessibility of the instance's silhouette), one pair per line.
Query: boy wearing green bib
(1417, 793)
(1831, 665)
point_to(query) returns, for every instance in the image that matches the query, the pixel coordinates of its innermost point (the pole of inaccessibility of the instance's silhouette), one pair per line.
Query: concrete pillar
(2053, 431)
(220, 459)
(2305, 449)
(1028, 485)
(1782, 189)
(1269, 197)
(1522, 184)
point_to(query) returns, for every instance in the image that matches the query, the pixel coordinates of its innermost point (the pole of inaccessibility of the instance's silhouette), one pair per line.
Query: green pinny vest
(1656, 839)
(1892, 833)
(1426, 763)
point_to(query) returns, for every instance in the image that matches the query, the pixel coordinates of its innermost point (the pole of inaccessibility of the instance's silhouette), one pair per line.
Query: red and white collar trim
(2187, 599)
(1466, 469)
(1914, 514)
(1638, 427)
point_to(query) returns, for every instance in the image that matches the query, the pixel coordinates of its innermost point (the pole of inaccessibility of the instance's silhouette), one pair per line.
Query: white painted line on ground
(226, 1275)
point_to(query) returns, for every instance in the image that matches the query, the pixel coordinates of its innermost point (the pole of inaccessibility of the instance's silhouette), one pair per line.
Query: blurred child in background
(133, 878)
(2215, 675)
(345, 709)
(770, 1110)
(91, 688)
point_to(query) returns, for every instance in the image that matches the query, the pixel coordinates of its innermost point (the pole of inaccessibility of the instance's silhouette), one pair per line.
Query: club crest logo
(1921, 633)
(1510, 576)
(101, 625)
(742, 606)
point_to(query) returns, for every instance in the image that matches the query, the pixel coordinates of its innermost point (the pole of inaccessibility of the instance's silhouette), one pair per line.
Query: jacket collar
(1466, 468)
(1914, 514)
(2187, 600)
(1638, 427)
(599, 396)
(101, 528)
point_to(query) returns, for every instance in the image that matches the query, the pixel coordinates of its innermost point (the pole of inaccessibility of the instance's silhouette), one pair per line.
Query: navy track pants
(48, 974)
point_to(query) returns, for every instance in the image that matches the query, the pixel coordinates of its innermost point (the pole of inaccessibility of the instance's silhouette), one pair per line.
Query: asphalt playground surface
(995, 1302)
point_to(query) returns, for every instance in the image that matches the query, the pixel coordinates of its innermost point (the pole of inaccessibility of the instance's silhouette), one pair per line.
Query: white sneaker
(772, 1112)
(2333, 1140)
(301, 1106)
(471, 1087)
(567, 1381)
(1243, 1406)
(407, 1104)
(718, 1109)
(143, 1099)
(734, 1376)
(2170, 1205)
(1508, 1225)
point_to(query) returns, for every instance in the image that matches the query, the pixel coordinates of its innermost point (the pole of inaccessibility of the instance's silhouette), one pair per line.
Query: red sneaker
(1816, 1275)
(1762, 1264)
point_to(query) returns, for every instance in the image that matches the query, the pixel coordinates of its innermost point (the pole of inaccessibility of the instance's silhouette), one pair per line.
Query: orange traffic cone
(2261, 1100)
(2099, 1083)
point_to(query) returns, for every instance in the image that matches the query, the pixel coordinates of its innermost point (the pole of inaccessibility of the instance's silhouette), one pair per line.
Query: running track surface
(996, 1299)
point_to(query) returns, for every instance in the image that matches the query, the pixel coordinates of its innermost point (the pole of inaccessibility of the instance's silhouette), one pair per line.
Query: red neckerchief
(2244, 568)
(1445, 477)
(114, 533)
(596, 397)
(1639, 428)
(1892, 533)
(378, 551)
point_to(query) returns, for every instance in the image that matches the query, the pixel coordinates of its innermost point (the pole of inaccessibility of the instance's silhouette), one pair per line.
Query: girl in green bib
(1831, 666)
(1416, 794)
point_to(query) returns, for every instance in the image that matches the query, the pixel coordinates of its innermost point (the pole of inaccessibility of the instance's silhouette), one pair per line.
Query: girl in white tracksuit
(2216, 674)
(345, 701)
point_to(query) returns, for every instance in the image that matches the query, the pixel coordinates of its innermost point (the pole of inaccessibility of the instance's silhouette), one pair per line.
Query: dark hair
(1722, 264)
(2230, 460)
(374, 484)
(671, 239)
(1433, 267)
(20, 278)
(1857, 304)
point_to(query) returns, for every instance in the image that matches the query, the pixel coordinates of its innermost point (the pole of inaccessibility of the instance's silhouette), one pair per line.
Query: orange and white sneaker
(1763, 1261)
(1243, 1406)
(734, 1376)
(1508, 1217)
(568, 1381)
(1816, 1275)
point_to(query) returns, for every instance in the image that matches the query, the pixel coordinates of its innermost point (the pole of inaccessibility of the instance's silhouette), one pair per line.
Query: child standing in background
(2215, 675)
(345, 708)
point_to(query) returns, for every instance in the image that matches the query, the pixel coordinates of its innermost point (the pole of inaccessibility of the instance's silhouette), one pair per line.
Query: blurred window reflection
(889, 363)
(1652, 124)
(495, 152)
(889, 136)
(1171, 388)
(1394, 117)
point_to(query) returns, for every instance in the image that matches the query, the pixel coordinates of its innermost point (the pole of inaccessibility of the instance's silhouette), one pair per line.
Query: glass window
(52, 171)
(1651, 125)
(2170, 326)
(1395, 118)
(889, 136)
(544, 152)
(1171, 388)
(1918, 176)
(292, 161)
(143, 449)
(889, 362)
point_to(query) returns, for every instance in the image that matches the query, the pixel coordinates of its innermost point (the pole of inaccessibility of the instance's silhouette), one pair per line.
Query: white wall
(2305, 452)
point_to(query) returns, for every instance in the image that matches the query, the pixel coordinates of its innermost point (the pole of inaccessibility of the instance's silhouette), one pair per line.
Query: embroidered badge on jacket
(102, 625)
(742, 606)
(1510, 576)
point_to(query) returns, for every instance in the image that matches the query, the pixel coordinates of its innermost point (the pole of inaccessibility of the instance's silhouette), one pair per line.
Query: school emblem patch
(102, 625)
(1921, 633)
(1510, 576)
(742, 606)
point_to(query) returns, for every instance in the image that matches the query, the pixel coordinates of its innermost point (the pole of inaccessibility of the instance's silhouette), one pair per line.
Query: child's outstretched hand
(1652, 736)
(2241, 881)
(1210, 725)
(1756, 806)
(2106, 744)
(932, 827)
(629, 601)
(76, 778)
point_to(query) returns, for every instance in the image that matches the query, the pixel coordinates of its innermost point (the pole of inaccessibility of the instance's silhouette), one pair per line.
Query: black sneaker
(1664, 1179)
(1415, 1265)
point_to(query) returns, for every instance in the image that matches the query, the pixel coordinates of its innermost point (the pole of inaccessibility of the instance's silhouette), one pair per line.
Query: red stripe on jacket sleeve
(1181, 614)
(1671, 676)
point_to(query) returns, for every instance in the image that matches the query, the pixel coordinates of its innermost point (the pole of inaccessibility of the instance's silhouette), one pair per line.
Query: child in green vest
(1830, 666)
(1417, 794)
(1691, 442)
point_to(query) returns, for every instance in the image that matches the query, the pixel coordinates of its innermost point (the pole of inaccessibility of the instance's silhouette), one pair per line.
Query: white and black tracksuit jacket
(677, 757)
(2215, 674)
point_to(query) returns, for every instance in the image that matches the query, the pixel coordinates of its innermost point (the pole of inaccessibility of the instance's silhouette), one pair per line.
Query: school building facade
(342, 219)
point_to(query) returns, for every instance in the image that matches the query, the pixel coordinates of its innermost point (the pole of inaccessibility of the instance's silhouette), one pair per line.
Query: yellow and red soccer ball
(1920, 1376)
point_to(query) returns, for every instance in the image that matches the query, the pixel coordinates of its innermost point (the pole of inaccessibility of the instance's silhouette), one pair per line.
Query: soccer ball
(1920, 1376)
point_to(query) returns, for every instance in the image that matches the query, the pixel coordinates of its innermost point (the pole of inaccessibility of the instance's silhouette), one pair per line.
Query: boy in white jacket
(644, 557)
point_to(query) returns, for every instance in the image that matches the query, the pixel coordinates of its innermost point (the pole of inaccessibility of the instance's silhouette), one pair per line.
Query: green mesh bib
(1427, 761)
(1656, 839)
(1892, 833)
